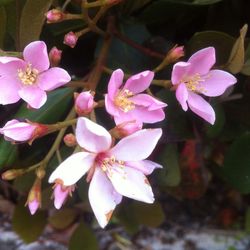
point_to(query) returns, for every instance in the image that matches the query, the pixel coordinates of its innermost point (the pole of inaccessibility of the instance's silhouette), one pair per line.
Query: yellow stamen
(28, 76)
(123, 102)
(194, 83)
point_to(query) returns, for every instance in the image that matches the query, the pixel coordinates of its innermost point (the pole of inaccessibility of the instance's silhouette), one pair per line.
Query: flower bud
(54, 16)
(55, 56)
(70, 39)
(12, 174)
(84, 103)
(34, 197)
(70, 140)
(23, 131)
(175, 53)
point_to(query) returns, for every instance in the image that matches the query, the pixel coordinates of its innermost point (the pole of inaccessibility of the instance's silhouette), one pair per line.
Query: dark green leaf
(3, 2)
(236, 168)
(83, 238)
(2, 25)
(8, 153)
(247, 221)
(28, 227)
(32, 18)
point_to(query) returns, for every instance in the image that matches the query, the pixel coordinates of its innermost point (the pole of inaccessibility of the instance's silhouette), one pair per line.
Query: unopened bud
(54, 16)
(70, 39)
(12, 174)
(175, 54)
(84, 103)
(55, 56)
(34, 197)
(70, 140)
(40, 173)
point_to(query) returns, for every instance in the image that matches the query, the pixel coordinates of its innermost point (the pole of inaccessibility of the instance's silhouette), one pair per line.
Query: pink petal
(110, 106)
(33, 206)
(202, 61)
(102, 197)
(132, 184)
(33, 95)
(73, 168)
(36, 54)
(7, 59)
(182, 96)
(145, 166)
(60, 195)
(216, 82)
(91, 136)
(148, 101)
(9, 87)
(139, 82)
(115, 82)
(10, 65)
(201, 107)
(53, 78)
(137, 146)
(179, 72)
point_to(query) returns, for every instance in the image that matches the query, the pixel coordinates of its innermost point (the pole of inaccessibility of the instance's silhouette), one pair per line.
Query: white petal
(145, 166)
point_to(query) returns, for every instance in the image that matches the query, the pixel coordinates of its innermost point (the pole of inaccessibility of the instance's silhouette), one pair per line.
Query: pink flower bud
(61, 193)
(54, 16)
(70, 39)
(23, 131)
(84, 103)
(176, 53)
(34, 197)
(55, 56)
(70, 140)
(33, 206)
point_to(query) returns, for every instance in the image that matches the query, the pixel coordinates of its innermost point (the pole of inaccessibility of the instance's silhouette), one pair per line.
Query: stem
(60, 125)
(94, 4)
(65, 4)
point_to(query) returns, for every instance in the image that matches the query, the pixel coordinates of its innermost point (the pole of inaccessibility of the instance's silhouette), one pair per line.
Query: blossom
(30, 78)
(84, 103)
(195, 77)
(22, 131)
(127, 104)
(70, 39)
(113, 171)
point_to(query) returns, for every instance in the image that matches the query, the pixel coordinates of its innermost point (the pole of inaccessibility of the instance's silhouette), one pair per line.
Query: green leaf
(169, 176)
(222, 42)
(3, 20)
(83, 238)
(247, 220)
(236, 169)
(28, 227)
(237, 56)
(32, 18)
(4, 2)
(8, 153)
(63, 218)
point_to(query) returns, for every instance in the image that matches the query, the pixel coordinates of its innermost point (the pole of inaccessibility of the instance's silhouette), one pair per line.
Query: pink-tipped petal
(115, 83)
(139, 82)
(73, 168)
(36, 54)
(9, 87)
(33, 95)
(132, 184)
(179, 72)
(182, 96)
(53, 78)
(91, 136)
(201, 107)
(202, 61)
(60, 195)
(137, 146)
(145, 166)
(216, 82)
(102, 197)
(33, 206)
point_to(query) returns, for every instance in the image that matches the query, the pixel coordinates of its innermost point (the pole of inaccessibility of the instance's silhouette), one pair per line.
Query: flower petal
(9, 66)
(216, 82)
(53, 78)
(115, 83)
(110, 106)
(102, 197)
(179, 72)
(201, 107)
(202, 61)
(137, 146)
(33, 95)
(36, 54)
(132, 184)
(182, 96)
(91, 136)
(73, 168)
(139, 82)
(145, 166)
(9, 87)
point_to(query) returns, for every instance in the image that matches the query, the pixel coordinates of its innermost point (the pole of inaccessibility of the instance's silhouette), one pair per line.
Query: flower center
(123, 102)
(28, 76)
(194, 83)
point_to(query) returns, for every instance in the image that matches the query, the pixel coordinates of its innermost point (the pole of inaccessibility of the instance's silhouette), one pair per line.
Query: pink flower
(54, 16)
(22, 131)
(70, 39)
(30, 78)
(195, 77)
(84, 103)
(55, 56)
(127, 104)
(61, 193)
(113, 171)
